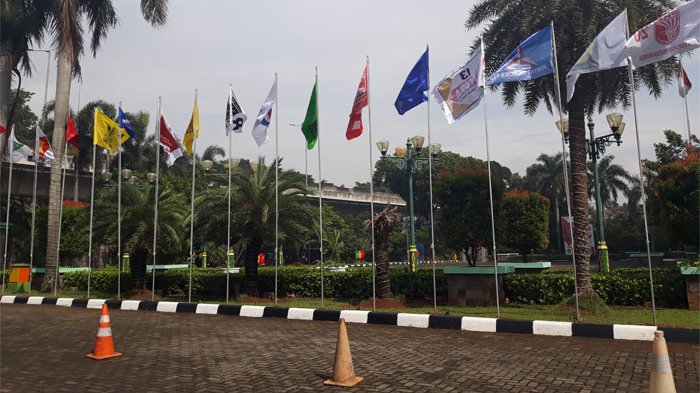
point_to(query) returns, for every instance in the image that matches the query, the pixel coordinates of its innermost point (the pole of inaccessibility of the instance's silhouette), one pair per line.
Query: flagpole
(630, 73)
(371, 194)
(228, 226)
(493, 224)
(194, 163)
(277, 191)
(119, 214)
(565, 161)
(10, 142)
(36, 168)
(60, 218)
(320, 189)
(92, 208)
(155, 202)
(685, 98)
(430, 186)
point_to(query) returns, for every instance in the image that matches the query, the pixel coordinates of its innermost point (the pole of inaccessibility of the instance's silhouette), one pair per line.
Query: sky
(207, 45)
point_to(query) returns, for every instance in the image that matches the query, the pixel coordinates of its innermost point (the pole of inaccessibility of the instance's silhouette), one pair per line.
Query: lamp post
(408, 158)
(595, 146)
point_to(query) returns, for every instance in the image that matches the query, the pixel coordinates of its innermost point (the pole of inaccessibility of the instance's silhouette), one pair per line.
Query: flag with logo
(44, 147)
(126, 124)
(167, 141)
(675, 32)
(192, 132)
(17, 150)
(107, 132)
(684, 84)
(310, 124)
(461, 91)
(72, 133)
(361, 100)
(235, 117)
(530, 60)
(605, 52)
(415, 89)
(264, 117)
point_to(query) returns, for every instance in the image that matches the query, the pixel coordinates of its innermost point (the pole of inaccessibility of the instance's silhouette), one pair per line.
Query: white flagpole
(630, 72)
(119, 215)
(194, 163)
(686, 124)
(493, 224)
(36, 168)
(371, 192)
(92, 209)
(155, 202)
(320, 180)
(430, 185)
(60, 218)
(228, 226)
(565, 161)
(10, 142)
(277, 191)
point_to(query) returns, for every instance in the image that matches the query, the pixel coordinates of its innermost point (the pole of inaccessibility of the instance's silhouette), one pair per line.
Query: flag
(415, 90)
(675, 32)
(170, 145)
(192, 132)
(107, 132)
(125, 124)
(262, 121)
(530, 60)
(45, 153)
(605, 52)
(361, 100)
(310, 124)
(463, 89)
(684, 84)
(235, 117)
(2, 128)
(18, 151)
(72, 133)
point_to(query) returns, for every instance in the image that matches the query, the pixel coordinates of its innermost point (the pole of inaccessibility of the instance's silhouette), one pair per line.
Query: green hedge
(104, 280)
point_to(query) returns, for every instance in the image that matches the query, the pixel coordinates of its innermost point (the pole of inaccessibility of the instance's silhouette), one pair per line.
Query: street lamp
(106, 176)
(407, 157)
(207, 165)
(151, 177)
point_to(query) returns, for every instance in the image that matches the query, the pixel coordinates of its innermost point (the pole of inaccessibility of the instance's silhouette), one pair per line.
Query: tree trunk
(251, 266)
(137, 265)
(63, 81)
(382, 261)
(6, 64)
(76, 180)
(579, 195)
(557, 223)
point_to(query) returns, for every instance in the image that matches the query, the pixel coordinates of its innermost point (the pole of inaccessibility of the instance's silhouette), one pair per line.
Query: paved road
(42, 349)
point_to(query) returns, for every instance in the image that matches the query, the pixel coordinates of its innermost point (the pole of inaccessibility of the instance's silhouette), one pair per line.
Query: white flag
(463, 89)
(675, 32)
(605, 52)
(18, 151)
(262, 121)
(235, 116)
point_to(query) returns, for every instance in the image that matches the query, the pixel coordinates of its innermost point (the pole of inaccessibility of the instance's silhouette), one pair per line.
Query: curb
(474, 324)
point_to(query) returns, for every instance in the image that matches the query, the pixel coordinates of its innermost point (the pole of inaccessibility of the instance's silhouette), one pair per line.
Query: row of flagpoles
(458, 94)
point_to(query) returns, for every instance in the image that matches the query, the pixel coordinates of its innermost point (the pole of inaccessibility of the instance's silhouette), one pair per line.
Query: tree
(385, 222)
(508, 23)
(66, 25)
(613, 180)
(525, 216)
(547, 177)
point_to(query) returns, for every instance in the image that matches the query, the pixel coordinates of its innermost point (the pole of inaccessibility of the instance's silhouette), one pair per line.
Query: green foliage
(525, 217)
(74, 232)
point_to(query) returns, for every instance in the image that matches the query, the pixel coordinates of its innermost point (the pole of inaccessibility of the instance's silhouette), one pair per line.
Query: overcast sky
(208, 44)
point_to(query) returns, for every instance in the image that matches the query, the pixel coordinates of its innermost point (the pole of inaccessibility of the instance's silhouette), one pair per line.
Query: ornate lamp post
(408, 158)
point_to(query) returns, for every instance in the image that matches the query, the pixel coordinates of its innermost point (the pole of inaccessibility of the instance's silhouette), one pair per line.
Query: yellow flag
(192, 132)
(106, 132)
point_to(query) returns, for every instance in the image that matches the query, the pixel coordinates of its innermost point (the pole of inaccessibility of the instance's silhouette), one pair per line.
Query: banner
(461, 91)
(568, 247)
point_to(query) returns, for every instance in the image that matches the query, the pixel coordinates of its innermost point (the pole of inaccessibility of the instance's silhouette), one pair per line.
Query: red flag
(684, 84)
(170, 145)
(72, 133)
(361, 100)
(2, 129)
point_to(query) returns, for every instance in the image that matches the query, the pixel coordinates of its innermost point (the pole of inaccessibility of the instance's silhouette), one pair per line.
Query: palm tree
(66, 25)
(547, 176)
(508, 23)
(385, 222)
(612, 178)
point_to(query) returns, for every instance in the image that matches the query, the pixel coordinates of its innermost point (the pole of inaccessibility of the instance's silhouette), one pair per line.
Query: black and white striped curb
(474, 324)
(356, 265)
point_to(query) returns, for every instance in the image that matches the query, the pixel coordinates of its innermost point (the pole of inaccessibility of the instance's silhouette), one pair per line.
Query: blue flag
(530, 60)
(415, 89)
(125, 124)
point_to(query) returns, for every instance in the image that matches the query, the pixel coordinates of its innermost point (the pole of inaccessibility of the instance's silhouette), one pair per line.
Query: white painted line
(35, 300)
(203, 308)
(306, 314)
(474, 324)
(64, 301)
(413, 320)
(8, 299)
(131, 305)
(95, 303)
(634, 332)
(354, 316)
(252, 311)
(550, 328)
(166, 306)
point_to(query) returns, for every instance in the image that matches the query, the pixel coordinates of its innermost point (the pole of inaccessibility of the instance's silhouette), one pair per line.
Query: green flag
(310, 125)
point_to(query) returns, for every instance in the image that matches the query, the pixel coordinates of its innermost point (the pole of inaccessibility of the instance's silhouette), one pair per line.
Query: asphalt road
(42, 349)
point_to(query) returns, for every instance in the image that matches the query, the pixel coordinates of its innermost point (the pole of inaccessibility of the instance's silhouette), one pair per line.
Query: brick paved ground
(42, 349)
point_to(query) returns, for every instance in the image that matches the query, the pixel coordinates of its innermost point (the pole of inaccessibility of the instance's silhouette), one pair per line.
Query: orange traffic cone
(104, 345)
(343, 370)
(661, 375)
